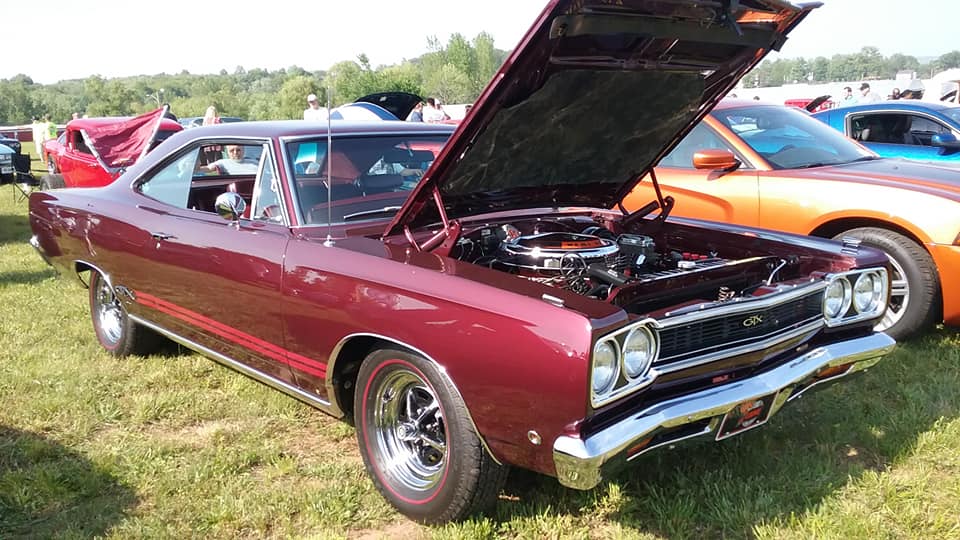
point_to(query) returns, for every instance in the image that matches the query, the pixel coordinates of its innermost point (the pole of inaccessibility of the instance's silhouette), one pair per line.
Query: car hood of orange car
(928, 178)
(595, 93)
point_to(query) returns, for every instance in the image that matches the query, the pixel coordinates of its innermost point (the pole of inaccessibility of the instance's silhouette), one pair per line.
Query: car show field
(172, 445)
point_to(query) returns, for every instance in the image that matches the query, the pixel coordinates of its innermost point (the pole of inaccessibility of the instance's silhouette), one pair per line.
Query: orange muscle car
(776, 167)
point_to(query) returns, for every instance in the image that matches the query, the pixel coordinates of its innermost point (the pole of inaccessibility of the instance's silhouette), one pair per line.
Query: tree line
(454, 72)
(868, 64)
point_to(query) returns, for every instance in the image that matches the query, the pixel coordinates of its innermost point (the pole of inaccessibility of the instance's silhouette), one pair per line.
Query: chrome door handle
(161, 236)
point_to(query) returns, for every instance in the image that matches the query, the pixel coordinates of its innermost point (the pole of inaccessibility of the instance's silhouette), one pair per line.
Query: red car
(71, 162)
(473, 303)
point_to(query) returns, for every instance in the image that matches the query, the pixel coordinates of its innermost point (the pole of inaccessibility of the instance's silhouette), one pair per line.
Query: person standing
(867, 96)
(210, 117)
(847, 98)
(433, 113)
(39, 130)
(314, 111)
(416, 115)
(49, 132)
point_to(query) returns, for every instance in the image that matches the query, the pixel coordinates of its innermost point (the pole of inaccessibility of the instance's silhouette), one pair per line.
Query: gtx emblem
(753, 320)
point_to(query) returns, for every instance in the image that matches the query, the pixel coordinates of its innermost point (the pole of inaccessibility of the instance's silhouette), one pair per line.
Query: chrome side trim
(335, 355)
(580, 462)
(95, 268)
(258, 376)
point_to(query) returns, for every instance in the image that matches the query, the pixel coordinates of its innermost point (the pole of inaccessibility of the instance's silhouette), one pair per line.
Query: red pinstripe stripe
(300, 362)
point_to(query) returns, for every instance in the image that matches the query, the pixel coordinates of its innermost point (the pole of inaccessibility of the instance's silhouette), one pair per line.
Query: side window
(700, 138)
(266, 196)
(923, 129)
(883, 128)
(171, 184)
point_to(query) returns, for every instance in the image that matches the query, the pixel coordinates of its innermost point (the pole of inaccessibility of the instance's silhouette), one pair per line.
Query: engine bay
(627, 268)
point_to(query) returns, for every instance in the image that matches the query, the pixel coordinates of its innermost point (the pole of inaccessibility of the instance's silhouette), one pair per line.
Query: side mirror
(945, 140)
(715, 159)
(230, 206)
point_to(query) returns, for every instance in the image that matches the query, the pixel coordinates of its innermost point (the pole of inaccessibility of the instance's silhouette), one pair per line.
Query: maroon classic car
(468, 297)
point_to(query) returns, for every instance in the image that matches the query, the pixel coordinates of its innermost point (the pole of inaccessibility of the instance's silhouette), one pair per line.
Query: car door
(210, 281)
(80, 166)
(901, 134)
(726, 196)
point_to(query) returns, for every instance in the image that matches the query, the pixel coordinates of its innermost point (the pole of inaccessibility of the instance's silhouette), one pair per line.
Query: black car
(14, 165)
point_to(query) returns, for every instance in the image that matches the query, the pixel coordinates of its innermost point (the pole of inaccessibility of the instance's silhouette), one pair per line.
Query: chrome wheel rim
(410, 431)
(108, 312)
(899, 297)
(51, 168)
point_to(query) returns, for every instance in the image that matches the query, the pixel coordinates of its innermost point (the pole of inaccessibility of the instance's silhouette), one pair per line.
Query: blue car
(910, 129)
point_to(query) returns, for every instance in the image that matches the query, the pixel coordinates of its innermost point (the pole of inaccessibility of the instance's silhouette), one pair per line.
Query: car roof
(294, 128)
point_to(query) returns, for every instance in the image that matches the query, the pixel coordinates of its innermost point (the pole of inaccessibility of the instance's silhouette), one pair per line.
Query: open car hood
(399, 104)
(595, 93)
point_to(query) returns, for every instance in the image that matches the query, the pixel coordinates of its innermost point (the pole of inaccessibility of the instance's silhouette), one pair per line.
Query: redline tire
(417, 441)
(115, 331)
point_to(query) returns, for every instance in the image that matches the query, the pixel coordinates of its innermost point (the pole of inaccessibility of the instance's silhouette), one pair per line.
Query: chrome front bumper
(580, 462)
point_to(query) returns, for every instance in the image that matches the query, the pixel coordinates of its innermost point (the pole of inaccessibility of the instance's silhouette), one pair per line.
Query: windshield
(952, 113)
(788, 138)
(370, 177)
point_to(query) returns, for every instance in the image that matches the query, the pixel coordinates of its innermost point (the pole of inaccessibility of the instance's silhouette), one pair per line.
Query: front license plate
(6, 170)
(747, 415)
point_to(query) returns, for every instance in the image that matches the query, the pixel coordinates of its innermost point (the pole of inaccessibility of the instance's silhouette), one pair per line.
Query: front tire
(417, 441)
(52, 181)
(115, 331)
(915, 284)
(52, 166)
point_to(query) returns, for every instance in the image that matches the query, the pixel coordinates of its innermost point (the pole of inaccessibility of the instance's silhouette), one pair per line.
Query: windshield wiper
(365, 213)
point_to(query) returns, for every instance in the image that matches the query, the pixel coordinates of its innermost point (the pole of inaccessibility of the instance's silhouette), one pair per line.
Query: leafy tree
(948, 60)
(293, 95)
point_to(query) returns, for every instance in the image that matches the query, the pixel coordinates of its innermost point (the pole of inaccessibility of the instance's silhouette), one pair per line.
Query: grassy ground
(175, 446)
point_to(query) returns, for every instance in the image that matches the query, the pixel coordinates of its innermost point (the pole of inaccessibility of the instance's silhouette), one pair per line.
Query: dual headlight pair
(855, 296)
(625, 358)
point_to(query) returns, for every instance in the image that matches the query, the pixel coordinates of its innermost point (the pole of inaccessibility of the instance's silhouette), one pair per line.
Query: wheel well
(347, 366)
(81, 268)
(833, 228)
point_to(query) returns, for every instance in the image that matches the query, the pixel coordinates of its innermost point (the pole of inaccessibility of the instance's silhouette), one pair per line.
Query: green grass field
(176, 446)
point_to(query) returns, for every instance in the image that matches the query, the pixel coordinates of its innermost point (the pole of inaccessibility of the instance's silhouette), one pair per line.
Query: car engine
(584, 257)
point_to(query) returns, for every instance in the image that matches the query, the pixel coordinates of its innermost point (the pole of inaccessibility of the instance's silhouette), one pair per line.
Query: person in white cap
(315, 111)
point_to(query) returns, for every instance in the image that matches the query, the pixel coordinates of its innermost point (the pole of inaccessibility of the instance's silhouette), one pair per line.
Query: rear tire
(115, 331)
(915, 292)
(52, 181)
(417, 441)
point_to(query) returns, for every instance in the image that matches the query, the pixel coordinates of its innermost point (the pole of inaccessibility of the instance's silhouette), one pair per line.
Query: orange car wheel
(915, 286)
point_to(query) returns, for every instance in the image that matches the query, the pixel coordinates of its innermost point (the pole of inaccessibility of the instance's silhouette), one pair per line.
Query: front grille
(708, 335)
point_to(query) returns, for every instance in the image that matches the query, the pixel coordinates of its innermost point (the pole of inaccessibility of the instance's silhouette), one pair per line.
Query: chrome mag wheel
(899, 297)
(108, 312)
(410, 431)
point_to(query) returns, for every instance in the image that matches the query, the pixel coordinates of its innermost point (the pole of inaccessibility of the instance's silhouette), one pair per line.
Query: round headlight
(606, 364)
(836, 299)
(639, 351)
(866, 292)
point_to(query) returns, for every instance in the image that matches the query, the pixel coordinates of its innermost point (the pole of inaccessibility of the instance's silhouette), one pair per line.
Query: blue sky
(68, 39)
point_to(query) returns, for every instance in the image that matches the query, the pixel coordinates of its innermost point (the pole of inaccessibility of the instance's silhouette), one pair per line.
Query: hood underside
(595, 93)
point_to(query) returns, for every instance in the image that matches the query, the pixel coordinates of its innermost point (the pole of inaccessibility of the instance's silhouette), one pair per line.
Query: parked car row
(481, 297)
(14, 164)
(776, 167)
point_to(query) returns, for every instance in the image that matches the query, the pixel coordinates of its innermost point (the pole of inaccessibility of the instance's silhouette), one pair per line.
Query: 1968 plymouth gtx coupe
(468, 297)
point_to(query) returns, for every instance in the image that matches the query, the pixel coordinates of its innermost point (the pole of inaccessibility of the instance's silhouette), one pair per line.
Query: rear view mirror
(715, 159)
(945, 140)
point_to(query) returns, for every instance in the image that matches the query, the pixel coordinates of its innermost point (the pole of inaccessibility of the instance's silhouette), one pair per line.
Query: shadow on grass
(14, 229)
(26, 278)
(47, 490)
(808, 451)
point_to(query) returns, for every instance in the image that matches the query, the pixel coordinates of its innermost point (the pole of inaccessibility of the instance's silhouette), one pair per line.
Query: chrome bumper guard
(580, 462)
